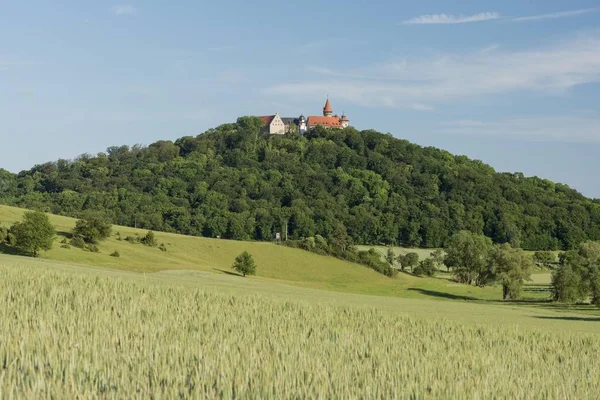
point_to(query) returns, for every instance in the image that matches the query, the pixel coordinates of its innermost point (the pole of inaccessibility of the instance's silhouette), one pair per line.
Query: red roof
(325, 121)
(344, 118)
(267, 119)
(327, 107)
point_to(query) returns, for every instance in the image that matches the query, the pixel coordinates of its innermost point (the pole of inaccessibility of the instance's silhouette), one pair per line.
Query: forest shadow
(585, 319)
(228, 272)
(433, 293)
(5, 249)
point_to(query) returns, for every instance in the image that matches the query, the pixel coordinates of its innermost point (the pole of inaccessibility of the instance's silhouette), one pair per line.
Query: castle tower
(344, 121)
(302, 128)
(327, 110)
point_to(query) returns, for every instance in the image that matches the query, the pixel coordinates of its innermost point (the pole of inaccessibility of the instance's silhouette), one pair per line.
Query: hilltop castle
(276, 125)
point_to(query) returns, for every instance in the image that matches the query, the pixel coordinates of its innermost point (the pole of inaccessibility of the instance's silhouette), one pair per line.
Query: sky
(514, 83)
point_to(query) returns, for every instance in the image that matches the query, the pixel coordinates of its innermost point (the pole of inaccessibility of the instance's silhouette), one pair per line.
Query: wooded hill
(236, 182)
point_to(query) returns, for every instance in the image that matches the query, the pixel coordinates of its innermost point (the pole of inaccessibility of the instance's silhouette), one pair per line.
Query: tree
(3, 234)
(467, 254)
(427, 267)
(365, 187)
(438, 257)
(339, 241)
(390, 257)
(566, 285)
(569, 283)
(34, 233)
(509, 267)
(93, 227)
(409, 260)
(244, 264)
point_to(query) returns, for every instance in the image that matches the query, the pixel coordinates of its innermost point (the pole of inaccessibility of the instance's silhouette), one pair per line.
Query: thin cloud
(445, 78)
(124, 9)
(452, 19)
(556, 15)
(566, 128)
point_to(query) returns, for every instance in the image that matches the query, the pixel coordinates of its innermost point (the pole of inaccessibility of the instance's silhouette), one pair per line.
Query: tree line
(235, 182)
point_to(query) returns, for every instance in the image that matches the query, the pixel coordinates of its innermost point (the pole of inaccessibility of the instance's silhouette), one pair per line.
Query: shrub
(162, 247)
(65, 246)
(93, 248)
(77, 241)
(426, 267)
(372, 259)
(148, 239)
(64, 241)
(308, 243)
(11, 239)
(115, 254)
(132, 239)
(3, 234)
(321, 243)
(93, 228)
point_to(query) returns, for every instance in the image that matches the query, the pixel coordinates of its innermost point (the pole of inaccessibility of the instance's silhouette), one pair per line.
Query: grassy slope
(275, 262)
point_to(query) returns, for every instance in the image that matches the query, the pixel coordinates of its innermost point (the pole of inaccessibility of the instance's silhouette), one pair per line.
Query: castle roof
(327, 107)
(325, 121)
(344, 118)
(267, 119)
(289, 120)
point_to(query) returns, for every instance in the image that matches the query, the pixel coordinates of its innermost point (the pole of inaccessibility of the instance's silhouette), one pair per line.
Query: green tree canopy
(544, 258)
(467, 255)
(92, 227)
(244, 264)
(34, 234)
(577, 277)
(390, 257)
(509, 267)
(408, 260)
(427, 267)
(349, 186)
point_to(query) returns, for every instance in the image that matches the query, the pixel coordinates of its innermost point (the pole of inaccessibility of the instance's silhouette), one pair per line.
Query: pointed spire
(327, 110)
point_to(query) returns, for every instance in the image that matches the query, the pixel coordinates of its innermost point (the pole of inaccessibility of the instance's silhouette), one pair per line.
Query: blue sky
(513, 83)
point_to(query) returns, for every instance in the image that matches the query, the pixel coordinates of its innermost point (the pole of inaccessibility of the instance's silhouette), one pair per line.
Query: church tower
(327, 110)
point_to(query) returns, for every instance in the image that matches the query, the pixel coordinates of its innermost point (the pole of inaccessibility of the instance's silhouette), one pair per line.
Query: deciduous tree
(34, 233)
(244, 264)
(510, 267)
(467, 254)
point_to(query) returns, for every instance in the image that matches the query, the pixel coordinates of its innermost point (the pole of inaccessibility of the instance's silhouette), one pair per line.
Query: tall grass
(65, 335)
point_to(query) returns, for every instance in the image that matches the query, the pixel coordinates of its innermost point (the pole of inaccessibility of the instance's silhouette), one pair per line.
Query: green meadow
(77, 332)
(280, 263)
(181, 324)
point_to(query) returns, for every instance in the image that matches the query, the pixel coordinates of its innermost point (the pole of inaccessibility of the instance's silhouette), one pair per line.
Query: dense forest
(236, 182)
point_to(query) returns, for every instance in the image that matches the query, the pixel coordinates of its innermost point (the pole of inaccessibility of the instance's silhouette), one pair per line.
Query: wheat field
(68, 335)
